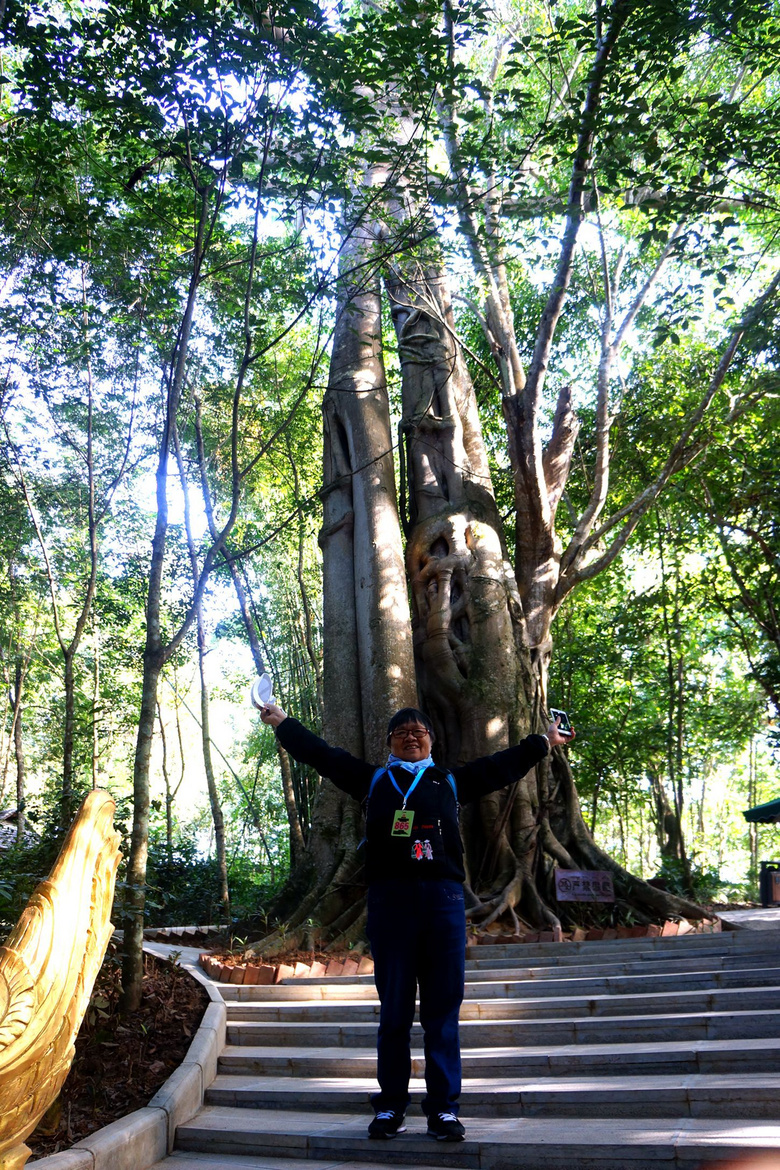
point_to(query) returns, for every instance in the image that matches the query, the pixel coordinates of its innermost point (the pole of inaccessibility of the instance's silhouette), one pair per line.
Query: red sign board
(584, 885)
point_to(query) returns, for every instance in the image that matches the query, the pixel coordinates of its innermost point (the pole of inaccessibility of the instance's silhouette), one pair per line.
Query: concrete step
(622, 984)
(179, 1160)
(747, 1095)
(504, 968)
(491, 1144)
(727, 1025)
(554, 956)
(668, 1057)
(500, 969)
(723, 999)
(624, 1055)
(299, 989)
(595, 951)
(521, 984)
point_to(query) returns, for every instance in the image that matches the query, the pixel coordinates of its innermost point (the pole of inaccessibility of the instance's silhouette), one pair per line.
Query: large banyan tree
(428, 600)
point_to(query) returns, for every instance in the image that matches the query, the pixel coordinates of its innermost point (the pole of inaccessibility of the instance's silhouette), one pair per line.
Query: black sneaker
(445, 1127)
(387, 1124)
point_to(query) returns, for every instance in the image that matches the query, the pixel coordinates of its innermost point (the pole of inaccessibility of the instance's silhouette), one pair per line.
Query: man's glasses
(419, 733)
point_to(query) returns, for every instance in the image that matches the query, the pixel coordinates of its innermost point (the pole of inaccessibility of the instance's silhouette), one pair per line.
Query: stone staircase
(622, 1055)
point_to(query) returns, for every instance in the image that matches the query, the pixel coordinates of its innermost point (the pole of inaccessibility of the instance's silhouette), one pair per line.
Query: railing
(48, 966)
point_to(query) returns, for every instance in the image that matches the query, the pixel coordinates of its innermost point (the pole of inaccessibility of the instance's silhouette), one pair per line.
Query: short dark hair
(410, 715)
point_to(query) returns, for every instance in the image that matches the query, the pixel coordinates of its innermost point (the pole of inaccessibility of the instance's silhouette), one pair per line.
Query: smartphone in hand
(564, 723)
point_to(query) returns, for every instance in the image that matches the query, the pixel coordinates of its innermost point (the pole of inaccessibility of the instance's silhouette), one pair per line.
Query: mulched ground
(120, 1063)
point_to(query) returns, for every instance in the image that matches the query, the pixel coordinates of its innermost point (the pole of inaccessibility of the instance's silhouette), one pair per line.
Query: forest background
(522, 259)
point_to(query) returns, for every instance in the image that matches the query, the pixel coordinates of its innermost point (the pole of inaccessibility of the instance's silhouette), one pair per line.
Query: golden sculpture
(48, 966)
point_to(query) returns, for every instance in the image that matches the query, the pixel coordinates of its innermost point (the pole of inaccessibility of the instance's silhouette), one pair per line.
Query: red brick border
(669, 929)
(267, 973)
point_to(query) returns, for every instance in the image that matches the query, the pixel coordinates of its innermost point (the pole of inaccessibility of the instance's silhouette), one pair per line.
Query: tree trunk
(594, 804)
(168, 788)
(19, 753)
(368, 672)
(481, 679)
(216, 807)
(675, 718)
(368, 669)
(297, 843)
(135, 879)
(68, 735)
(306, 609)
(480, 667)
(95, 703)
(155, 652)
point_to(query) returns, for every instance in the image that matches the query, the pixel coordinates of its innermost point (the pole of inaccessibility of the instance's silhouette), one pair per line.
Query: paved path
(626, 1055)
(758, 919)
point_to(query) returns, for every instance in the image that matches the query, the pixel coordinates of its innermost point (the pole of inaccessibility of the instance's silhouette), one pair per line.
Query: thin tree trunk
(214, 801)
(66, 800)
(211, 784)
(297, 842)
(168, 791)
(675, 680)
(622, 830)
(19, 753)
(594, 805)
(135, 880)
(306, 609)
(154, 652)
(157, 652)
(96, 704)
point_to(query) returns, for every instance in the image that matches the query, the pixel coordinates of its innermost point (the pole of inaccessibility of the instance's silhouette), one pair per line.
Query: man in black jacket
(416, 918)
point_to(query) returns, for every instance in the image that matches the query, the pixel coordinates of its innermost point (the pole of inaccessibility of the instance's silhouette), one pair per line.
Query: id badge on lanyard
(403, 819)
(402, 823)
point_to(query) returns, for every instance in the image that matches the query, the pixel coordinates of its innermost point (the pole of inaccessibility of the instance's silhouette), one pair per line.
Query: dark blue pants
(417, 932)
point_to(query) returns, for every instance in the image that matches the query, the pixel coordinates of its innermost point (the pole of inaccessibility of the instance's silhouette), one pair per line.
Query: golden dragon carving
(48, 966)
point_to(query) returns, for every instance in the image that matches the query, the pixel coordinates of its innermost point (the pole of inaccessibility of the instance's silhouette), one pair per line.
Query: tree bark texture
(368, 667)
(368, 670)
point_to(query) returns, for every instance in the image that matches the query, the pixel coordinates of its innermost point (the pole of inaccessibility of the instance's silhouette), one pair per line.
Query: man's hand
(554, 735)
(272, 715)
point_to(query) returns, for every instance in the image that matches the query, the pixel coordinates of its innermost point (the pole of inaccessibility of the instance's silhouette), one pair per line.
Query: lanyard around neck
(405, 796)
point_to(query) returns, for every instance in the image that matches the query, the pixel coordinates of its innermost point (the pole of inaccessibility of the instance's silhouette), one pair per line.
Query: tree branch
(682, 453)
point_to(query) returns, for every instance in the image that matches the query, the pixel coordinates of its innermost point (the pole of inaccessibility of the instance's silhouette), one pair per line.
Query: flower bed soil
(121, 1062)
